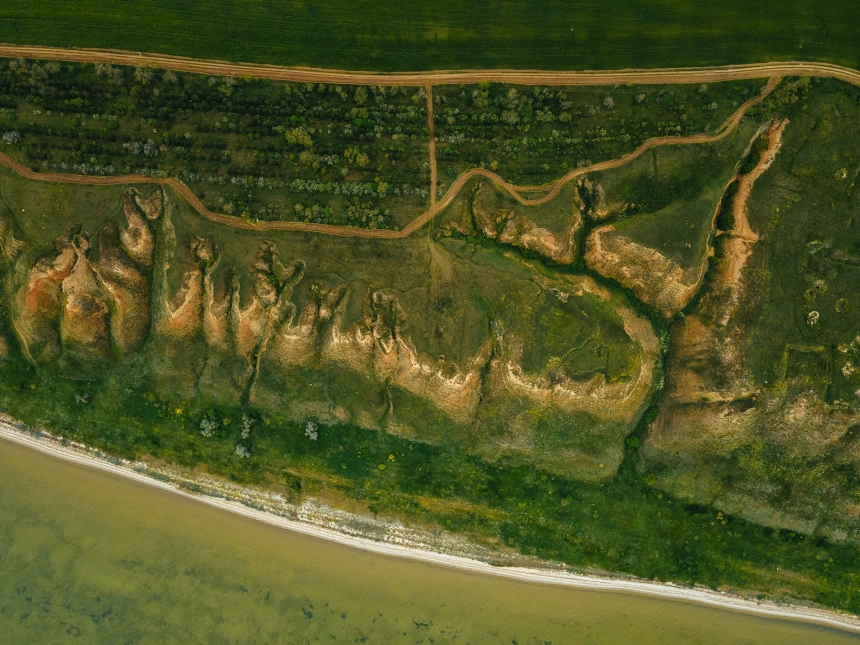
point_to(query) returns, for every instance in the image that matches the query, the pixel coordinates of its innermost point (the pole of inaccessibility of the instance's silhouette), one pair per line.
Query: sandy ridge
(436, 206)
(82, 455)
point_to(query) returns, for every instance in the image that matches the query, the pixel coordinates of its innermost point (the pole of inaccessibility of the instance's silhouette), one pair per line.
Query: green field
(451, 34)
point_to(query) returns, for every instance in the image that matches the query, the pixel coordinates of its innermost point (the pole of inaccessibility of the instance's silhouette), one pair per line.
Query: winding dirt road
(436, 206)
(432, 146)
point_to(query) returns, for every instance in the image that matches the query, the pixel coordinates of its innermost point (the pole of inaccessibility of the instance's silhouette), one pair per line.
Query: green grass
(666, 199)
(679, 232)
(670, 174)
(806, 208)
(451, 34)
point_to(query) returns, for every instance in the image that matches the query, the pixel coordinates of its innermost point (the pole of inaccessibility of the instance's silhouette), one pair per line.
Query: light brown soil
(740, 247)
(655, 279)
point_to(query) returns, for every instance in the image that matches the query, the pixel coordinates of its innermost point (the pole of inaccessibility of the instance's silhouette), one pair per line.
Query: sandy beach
(393, 539)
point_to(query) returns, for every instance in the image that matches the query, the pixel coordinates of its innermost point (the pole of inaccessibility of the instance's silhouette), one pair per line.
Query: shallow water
(91, 557)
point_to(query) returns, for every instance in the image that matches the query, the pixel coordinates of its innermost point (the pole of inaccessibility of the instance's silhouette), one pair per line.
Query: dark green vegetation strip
(450, 34)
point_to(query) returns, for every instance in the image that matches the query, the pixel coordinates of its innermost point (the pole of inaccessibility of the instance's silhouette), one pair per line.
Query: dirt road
(436, 206)
(432, 146)
(441, 77)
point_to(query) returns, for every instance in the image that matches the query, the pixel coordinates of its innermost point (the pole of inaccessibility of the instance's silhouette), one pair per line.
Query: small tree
(312, 431)
(143, 74)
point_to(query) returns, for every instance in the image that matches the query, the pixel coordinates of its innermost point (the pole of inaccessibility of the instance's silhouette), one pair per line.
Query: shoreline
(353, 530)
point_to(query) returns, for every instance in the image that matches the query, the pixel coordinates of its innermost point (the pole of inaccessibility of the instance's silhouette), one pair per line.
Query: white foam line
(565, 579)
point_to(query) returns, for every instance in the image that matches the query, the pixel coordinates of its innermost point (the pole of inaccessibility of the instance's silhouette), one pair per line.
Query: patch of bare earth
(655, 279)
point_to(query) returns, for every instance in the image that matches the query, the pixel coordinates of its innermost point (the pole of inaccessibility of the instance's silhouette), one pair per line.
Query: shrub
(208, 427)
(312, 431)
(650, 415)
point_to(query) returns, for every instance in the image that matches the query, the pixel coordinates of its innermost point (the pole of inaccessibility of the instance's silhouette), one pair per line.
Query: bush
(650, 415)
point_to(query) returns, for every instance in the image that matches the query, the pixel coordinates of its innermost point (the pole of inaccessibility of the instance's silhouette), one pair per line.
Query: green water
(91, 557)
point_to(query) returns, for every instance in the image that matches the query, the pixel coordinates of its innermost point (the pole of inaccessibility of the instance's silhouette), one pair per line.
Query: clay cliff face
(235, 334)
(70, 307)
(85, 315)
(38, 304)
(126, 291)
(654, 278)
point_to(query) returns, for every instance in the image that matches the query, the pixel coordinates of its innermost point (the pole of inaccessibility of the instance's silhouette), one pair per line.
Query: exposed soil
(743, 238)
(655, 279)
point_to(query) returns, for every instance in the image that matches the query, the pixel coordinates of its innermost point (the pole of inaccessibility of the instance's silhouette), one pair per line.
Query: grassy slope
(621, 525)
(674, 191)
(804, 211)
(451, 33)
